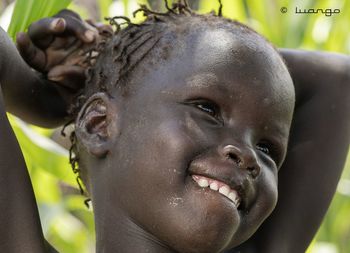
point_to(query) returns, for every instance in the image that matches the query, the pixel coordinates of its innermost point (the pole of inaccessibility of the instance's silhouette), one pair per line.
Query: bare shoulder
(318, 58)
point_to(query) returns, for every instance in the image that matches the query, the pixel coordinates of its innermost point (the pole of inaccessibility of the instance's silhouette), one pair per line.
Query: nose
(244, 158)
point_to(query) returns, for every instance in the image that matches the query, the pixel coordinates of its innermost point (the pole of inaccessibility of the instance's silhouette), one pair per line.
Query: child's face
(218, 107)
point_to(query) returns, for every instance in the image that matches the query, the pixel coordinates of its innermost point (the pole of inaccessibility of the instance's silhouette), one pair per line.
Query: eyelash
(208, 107)
(268, 149)
(263, 148)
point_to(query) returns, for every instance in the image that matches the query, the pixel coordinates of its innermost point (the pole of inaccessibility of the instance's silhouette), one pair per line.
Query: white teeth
(224, 190)
(234, 197)
(237, 202)
(203, 182)
(214, 186)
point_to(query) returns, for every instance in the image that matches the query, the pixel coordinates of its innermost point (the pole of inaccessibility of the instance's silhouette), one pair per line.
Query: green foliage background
(66, 222)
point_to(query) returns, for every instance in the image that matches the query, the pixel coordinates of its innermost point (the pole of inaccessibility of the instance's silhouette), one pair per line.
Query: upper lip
(236, 181)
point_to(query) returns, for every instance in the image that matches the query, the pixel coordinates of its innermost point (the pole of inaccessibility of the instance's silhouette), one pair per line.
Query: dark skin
(184, 121)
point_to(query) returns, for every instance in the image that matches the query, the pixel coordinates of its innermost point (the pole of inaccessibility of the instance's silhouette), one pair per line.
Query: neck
(117, 233)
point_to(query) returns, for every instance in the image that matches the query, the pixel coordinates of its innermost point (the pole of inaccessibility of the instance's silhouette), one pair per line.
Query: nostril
(254, 171)
(234, 157)
(233, 153)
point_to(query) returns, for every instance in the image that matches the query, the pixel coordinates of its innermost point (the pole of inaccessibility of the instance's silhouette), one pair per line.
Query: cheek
(271, 194)
(154, 164)
(267, 197)
(167, 155)
(267, 193)
(265, 203)
(175, 138)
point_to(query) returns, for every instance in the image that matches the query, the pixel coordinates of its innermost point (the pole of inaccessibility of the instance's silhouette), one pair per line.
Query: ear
(96, 124)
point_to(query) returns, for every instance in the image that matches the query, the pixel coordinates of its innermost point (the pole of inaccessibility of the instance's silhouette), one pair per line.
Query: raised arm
(318, 147)
(20, 228)
(25, 94)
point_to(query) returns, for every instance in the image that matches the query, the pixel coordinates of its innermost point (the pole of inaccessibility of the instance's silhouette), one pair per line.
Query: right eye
(208, 107)
(208, 110)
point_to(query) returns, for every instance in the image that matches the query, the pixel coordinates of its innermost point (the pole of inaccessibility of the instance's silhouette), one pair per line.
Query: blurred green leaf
(28, 11)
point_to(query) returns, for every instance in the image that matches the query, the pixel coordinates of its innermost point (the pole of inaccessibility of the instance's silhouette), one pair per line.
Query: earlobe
(93, 124)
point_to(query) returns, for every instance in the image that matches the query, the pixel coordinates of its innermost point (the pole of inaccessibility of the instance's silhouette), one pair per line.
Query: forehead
(236, 60)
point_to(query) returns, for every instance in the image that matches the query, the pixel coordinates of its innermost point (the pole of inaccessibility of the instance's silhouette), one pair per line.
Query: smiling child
(180, 133)
(179, 121)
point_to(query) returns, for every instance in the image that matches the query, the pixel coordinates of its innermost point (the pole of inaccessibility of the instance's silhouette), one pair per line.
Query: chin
(209, 236)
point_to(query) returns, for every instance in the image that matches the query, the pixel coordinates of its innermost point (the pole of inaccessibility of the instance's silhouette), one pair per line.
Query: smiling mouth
(218, 186)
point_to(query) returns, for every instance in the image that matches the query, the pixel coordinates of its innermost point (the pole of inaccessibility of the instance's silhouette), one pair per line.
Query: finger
(101, 27)
(42, 32)
(67, 13)
(105, 29)
(72, 77)
(77, 27)
(64, 43)
(33, 56)
(82, 30)
(73, 55)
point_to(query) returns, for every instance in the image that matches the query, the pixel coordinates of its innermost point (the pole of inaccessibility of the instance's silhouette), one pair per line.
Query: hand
(58, 47)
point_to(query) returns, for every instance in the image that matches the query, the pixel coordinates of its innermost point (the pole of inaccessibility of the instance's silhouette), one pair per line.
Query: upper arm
(26, 94)
(319, 142)
(20, 227)
(316, 72)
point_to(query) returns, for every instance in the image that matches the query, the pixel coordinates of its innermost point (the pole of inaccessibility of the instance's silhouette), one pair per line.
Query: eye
(263, 148)
(208, 107)
(270, 150)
